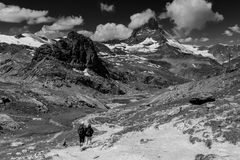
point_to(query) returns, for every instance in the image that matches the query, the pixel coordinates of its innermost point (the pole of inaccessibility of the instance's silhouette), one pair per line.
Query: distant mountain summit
(152, 29)
(159, 48)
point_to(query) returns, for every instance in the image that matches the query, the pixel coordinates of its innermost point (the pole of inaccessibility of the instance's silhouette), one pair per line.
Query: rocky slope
(168, 125)
(199, 119)
(223, 51)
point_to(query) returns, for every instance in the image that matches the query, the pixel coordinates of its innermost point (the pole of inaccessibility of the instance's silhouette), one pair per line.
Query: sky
(190, 21)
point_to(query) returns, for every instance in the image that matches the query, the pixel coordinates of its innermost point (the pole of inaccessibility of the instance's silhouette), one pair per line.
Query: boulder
(4, 100)
(8, 123)
(205, 157)
(42, 108)
(202, 98)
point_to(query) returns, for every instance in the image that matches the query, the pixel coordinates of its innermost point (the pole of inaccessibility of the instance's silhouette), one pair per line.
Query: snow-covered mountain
(149, 45)
(190, 49)
(157, 46)
(27, 39)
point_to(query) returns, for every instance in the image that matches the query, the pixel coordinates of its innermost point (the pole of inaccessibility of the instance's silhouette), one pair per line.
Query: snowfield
(27, 39)
(189, 49)
(147, 46)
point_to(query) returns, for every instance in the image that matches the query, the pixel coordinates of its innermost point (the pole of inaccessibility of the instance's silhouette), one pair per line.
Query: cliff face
(76, 50)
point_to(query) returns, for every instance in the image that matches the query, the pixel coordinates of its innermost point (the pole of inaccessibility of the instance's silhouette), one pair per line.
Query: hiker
(89, 133)
(81, 133)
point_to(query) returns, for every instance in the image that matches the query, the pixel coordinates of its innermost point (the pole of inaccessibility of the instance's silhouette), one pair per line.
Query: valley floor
(161, 126)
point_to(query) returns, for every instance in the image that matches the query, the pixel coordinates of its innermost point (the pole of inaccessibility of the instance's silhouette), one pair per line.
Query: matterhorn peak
(152, 24)
(152, 29)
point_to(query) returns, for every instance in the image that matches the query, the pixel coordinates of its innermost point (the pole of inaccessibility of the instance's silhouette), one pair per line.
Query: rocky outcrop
(7, 122)
(76, 50)
(205, 157)
(202, 98)
(4, 100)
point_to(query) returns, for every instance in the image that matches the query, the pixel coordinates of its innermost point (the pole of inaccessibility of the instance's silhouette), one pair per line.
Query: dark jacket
(81, 130)
(89, 131)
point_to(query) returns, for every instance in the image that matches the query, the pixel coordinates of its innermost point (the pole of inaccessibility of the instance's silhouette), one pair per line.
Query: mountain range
(47, 86)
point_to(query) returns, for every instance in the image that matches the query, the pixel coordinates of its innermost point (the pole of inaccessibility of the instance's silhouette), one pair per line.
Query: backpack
(89, 131)
(81, 130)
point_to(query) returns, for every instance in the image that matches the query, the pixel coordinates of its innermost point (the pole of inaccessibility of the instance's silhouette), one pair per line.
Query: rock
(76, 50)
(8, 123)
(42, 109)
(18, 153)
(1, 129)
(24, 151)
(4, 100)
(144, 141)
(174, 111)
(64, 143)
(31, 148)
(202, 98)
(96, 157)
(36, 119)
(16, 144)
(205, 157)
(199, 157)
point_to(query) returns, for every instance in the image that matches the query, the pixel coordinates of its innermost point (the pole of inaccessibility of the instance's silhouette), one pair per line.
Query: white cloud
(235, 28)
(51, 34)
(62, 24)
(65, 23)
(190, 14)
(228, 33)
(204, 39)
(106, 7)
(231, 30)
(139, 19)
(85, 33)
(111, 31)
(196, 40)
(15, 14)
(186, 40)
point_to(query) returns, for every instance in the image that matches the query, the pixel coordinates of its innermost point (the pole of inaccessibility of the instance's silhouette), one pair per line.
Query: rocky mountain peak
(76, 50)
(152, 29)
(152, 24)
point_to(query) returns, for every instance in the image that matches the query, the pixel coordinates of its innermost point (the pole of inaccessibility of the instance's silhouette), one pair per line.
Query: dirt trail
(165, 142)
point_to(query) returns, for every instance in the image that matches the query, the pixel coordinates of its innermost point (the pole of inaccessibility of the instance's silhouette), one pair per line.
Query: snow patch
(103, 53)
(114, 105)
(189, 49)
(16, 144)
(25, 40)
(85, 72)
(147, 46)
